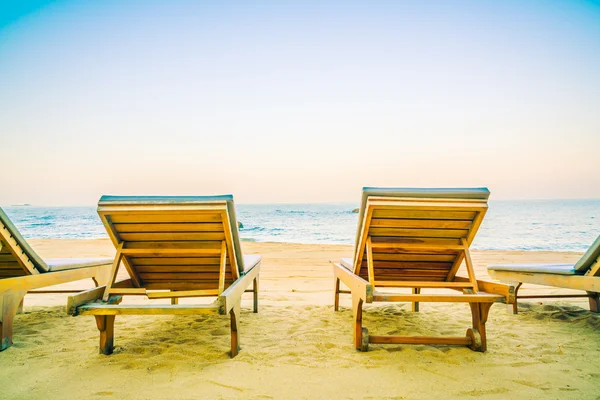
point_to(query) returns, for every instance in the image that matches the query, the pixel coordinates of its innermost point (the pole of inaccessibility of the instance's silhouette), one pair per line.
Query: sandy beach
(298, 347)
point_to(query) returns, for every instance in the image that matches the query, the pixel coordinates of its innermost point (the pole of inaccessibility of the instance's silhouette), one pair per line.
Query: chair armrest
(233, 294)
(508, 291)
(356, 284)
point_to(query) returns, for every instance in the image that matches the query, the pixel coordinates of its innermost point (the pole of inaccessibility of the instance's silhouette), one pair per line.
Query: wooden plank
(182, 294)
(113, 271)
(371, 273)
(152, 252)
(182, 286)
(594, 268)
(156, 269)
(554, 296)
(214, 245)
(37, 281)
(146, 309)
(190, 284)
(84, 297)
(447, 340)
(169, 227)
(15, 249)
(577, 282)
(418, 214)
(470, 267)
(171, 236)
(165, 218)
(409, 265)
(61, 291)
(434, 298)
(231, 297)
(476, 224)
(357, 285)
(222, 267)
(419, 200)
(177, 269)
(162, 209)
(426, 233)
(126, 260)
(170, 276)
(13, 264)
(422, 284)
(12, 273)
(416, 246)
(360, 246)
(8, 261)
(171, 261)
(230, 247)
(108, 226)
(507, 291)
(456, 265)
(401, 273)
(423, 205)
(412, 257)
(421, 223)
(412, 278)
(127, 291)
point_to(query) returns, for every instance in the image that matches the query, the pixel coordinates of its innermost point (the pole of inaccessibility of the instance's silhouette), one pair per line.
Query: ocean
(559, 225)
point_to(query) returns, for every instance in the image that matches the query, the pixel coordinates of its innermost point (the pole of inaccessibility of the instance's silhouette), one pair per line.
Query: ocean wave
(516, 225)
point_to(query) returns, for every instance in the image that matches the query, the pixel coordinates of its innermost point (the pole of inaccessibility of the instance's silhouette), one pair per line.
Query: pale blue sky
(284, 102)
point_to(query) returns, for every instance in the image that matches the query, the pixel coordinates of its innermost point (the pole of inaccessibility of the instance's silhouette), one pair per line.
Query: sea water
(558, 225)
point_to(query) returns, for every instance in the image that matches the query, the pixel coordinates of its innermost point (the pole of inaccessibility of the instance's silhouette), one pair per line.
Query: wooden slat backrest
(17, 258)
(172, 244)
(417, 237)
(589, 260)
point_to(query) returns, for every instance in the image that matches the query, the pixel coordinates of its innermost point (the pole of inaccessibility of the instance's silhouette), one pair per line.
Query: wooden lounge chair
(417, 239)
(22, 270)
(584, 275)
(172, 247)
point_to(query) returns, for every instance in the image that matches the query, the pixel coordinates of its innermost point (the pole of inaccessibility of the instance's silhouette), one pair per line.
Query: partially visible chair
(22, 270)
(172, 247)
(417, 239)
(583, 275)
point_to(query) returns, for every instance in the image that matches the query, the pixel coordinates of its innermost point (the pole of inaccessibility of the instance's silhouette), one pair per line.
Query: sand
(298, 347)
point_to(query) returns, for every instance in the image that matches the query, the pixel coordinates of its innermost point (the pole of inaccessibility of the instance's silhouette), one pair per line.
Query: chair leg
(515, 306)
(102, 278)
(479, 312)
(20, 309)
(415, 304)
(255, 293)
(594, 302)
(336, 298)
(10, 302)
(235, 339)
(106, 326)
(361, 335)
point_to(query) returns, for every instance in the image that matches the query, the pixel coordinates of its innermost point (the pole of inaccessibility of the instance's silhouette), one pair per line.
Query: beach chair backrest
(17, 258)
(590, 258)
(417, 234)
(175, 242)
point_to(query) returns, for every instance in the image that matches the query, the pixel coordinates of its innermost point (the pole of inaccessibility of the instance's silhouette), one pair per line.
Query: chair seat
(347, 263)
(250, 260)
(558, 269)
(63, 264)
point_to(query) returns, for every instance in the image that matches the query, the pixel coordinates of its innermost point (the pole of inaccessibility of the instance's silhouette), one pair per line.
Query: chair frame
(14, 289)
(480, 295)
(104, 302)
(589, 282)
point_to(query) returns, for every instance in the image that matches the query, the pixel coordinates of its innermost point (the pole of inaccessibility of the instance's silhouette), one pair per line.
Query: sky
(290, 102)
